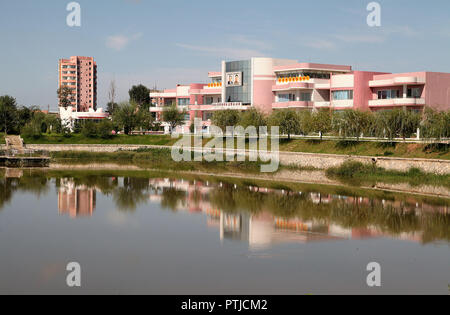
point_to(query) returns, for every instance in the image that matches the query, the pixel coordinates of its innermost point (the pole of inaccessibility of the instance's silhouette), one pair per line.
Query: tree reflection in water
(387, 214)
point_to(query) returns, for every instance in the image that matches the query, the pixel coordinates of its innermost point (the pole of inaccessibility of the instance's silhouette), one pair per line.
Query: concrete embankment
(320, 161)
(317, 177)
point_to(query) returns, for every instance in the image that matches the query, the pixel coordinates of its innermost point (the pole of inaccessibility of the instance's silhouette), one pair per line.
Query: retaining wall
(321, 161)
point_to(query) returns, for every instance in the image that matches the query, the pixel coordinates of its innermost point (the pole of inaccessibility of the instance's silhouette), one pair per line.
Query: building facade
(269, 84)
(80, 75)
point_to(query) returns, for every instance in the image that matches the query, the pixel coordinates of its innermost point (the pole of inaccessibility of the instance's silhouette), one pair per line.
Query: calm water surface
(169, 235)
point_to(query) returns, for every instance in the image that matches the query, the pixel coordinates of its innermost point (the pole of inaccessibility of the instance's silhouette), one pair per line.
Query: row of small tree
(16, 119)
(388, 124)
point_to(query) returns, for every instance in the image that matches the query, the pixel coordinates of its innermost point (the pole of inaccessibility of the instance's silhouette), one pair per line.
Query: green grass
(119, 139)
(404, 150)
(155, 159)
(353, 173)
(399, 149)
(358, 173)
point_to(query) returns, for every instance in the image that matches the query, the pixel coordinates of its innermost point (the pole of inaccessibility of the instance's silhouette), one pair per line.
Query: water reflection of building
(76, 201)
(264, 229)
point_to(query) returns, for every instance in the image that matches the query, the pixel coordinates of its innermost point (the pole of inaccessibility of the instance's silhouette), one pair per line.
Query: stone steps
(14, 143)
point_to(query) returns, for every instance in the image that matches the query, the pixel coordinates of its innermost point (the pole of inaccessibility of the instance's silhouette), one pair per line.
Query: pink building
(80, 75)
(271, 84)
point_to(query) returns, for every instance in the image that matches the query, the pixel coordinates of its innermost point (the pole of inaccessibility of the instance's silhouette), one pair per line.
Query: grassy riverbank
(155, 159)
(359, 173)
(353, 173)
(398, 149)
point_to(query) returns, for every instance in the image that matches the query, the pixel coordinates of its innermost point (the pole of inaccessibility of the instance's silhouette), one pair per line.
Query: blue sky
(168, 42)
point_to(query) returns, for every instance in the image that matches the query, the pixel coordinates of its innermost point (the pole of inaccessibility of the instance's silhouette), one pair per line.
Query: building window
(305, 97)
(388, 94)
(209, 100)
(282, 98)
(343, 95)
(414, 93)
(183, 101)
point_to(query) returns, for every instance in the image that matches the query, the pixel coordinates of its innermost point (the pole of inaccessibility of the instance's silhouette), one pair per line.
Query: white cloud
(234, 46)
(320, 44)
(360, 38)
(120, 42)
(224, 52)
(249, 42)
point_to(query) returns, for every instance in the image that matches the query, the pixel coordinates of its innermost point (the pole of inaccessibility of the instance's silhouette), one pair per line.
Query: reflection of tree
(36, 184)
(133, 193)
(223, 199)
(390, 215)
(171, 198)
(6, 191)
(392, 218)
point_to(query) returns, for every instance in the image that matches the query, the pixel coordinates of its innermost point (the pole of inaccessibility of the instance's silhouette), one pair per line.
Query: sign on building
(233, 79)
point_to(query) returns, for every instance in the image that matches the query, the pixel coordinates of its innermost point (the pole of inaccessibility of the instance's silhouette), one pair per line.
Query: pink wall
(263, 96)
(395, 75)
(313, 66)
(196, 97)
(362, 93)
(437, 90)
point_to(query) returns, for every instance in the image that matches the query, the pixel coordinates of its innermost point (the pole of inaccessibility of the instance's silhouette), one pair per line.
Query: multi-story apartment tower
(80, 75)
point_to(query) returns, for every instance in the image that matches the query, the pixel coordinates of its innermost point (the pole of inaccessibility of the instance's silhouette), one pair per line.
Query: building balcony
(322, 104)
(207, 91)
(410, 80)
(293, 86)
(342, 103)
(292, 104)
(219, 106)
(397, 102)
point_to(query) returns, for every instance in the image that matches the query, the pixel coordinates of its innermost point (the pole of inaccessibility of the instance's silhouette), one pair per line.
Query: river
(160, 233)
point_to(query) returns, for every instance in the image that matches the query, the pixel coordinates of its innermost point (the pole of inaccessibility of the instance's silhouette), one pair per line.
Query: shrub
(105, 128)
(349, 169)
(89, 129)
(31, 130)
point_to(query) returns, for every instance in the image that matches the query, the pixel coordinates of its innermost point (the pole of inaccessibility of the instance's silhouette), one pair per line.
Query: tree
(321, 122)
(112, 92)
(146, 119)
(8, 114)
(173, 116)
(65, 96)
(306, 121)
(31, 130)
(254, 118)
(37, 125)
(436, 124)
(24, 115)
(396, 122)
(140, 95)
(53, 123)
(105, 128)
(89, 129)
(287, 120)
(110, 107)
(125, 117)
(410, 122)
(111, 98)
(225, 118)
(353, 123)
